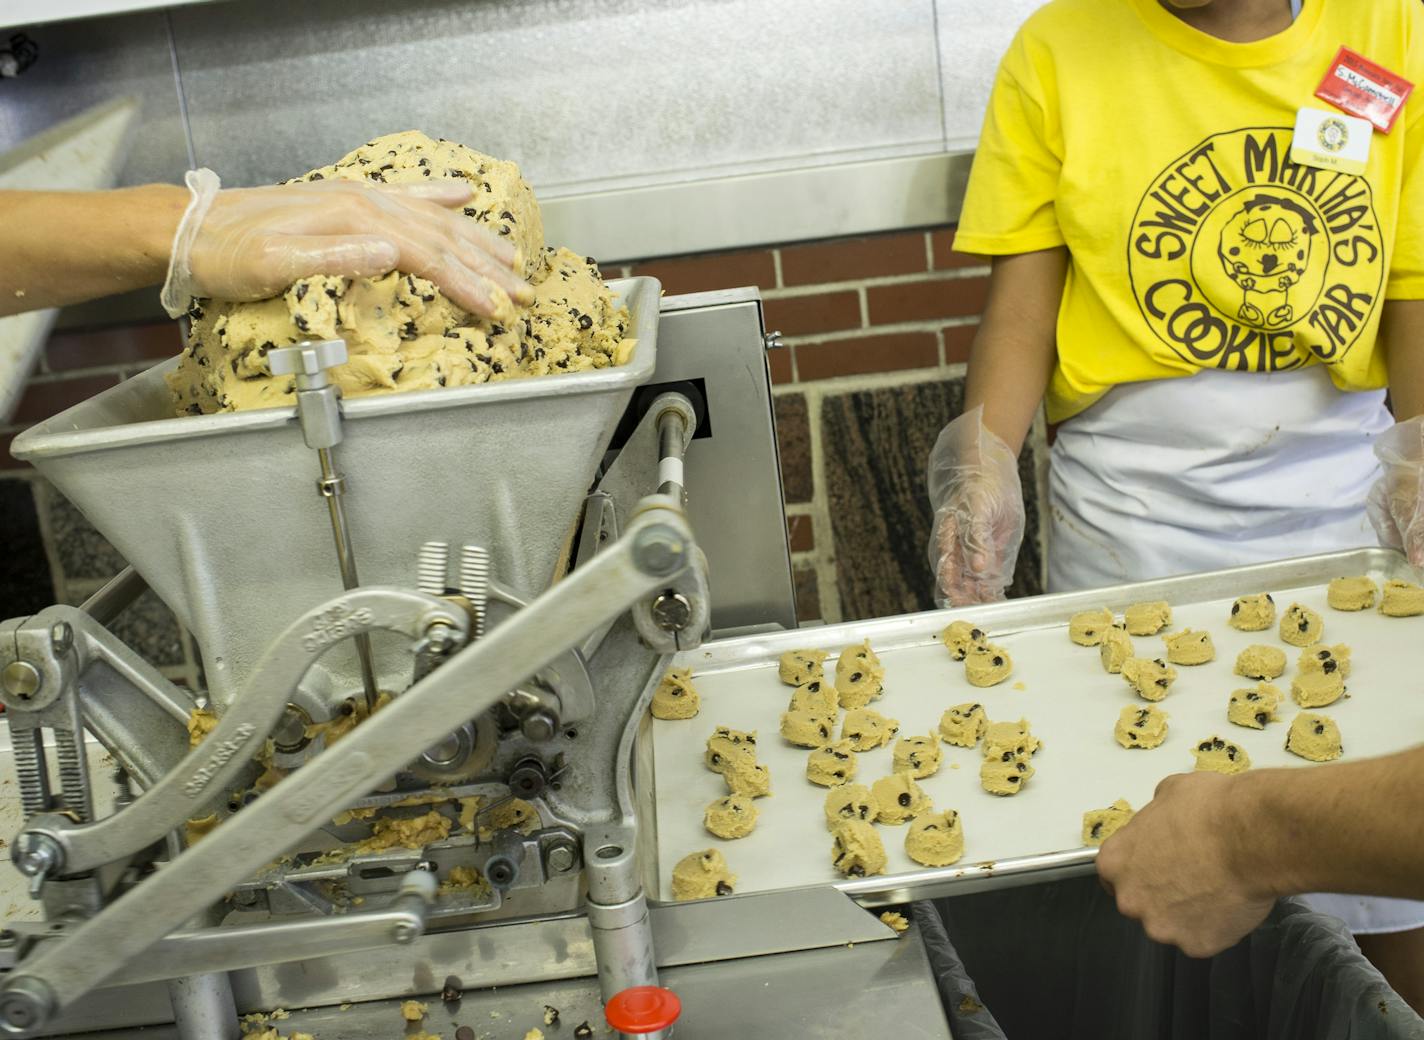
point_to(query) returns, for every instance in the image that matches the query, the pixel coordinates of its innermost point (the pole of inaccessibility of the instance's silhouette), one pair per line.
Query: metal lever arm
(657, 546)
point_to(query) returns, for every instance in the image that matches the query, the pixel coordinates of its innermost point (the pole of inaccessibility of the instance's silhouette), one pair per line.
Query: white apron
(1217, 470)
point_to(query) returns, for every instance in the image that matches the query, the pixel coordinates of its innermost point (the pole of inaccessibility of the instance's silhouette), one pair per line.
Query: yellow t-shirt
(1160, 156)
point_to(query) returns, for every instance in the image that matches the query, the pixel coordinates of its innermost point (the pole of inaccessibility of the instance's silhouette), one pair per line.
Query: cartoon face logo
(1265, 248)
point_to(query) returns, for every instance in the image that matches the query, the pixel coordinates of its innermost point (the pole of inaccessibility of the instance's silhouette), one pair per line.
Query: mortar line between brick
(929, 251)
(873, 281)
(864, 300)
(924, 325)
(776, 267)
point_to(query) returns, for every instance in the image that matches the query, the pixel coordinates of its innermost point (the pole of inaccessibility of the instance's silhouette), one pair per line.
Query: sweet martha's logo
(1242, 259)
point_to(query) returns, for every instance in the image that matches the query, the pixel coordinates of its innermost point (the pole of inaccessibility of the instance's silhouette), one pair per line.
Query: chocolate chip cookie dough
(675, 697)
(856, 850)
(859, 685)
(732, 817)
(832, 765)
(1087, 628)
(1100, 824)
(1301, 626)
(850, 802)
(855, 659)
(1314, 737)
(898, 798)
(1150, 680)
(808, 729)
(1190, 647)
(1317, 689)
(918, 756)
(725, 744)
(1147, 619)
(1255, 707)
(1356, 593)
(816, 695)
(1254, 613)
(867, 729)
(1327, 659)
(1402, 599)
(1220, 756)
(702, 875)
(1005, 774)
(746, 776)
(959, 636)
(401, 332)
(1258, 661)
(1140, 727)
(1114, 649)
(963, 725)
(935, 839)
(1010, 736)
(987, 665)
(800, 667)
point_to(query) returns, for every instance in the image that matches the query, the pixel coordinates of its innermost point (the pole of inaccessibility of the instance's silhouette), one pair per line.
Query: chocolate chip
(975, 634)
(316, 177)
(1236, 608)
(1012, 779)
(1163, 682)
(1268, 598)
(855, 677)
(1304, 625)
(585, 322)
(998, 662)
(581, 1032)
(506, 215)
(1205, 745)
(551, 1015)
(724, 889)
(1007, 756)
(300, 322)
(1097, 829)
(813, 687)
(856, 871)
(825, 734)
(1329, 667)
(452, 993)
(1319, 728)
(904, 799)
(1261, 718)
(839, 774)
(1231, 753)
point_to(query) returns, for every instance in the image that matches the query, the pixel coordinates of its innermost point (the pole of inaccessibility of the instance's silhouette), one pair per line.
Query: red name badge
(1359, 86)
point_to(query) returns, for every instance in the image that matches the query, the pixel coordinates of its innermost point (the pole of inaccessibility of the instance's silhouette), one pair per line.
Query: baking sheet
(1071, 703)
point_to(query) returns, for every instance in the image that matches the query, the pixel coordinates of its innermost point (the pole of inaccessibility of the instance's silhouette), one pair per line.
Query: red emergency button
(643, 1009)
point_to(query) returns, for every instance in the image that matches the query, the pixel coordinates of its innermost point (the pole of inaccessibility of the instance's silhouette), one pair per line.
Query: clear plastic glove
(979, 513)
(252, 243)
(1394, 505)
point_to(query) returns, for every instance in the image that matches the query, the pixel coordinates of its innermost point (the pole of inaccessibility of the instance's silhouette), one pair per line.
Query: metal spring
(431, 568)
(474, 582)
(30, 768)
(73, 778)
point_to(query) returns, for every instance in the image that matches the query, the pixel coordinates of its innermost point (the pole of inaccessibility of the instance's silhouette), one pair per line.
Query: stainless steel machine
(430, 625)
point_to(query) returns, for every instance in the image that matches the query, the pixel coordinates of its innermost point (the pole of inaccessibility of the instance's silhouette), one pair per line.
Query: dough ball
(1327, 659)
(1255, 707)
(1010, 736)
(1402, 599)
(1147, 619)
(1114, 650)
(1314, 737)
(1253, 613)
(1220, 756)
(898, 798)
(855, 659)
(732, 817)
(1005, 774)
(850, 802)
(856, 850)
(987, 665)
(702, 875)
(747, 776)
(799, 667)
(832, 765)
(1351, 593)
(727, 744)
(963, 725)
(816, 695)
(1141, 727)
(1317, 689)
(918, 756)
(1150, 679)
(895, 921)
(1087, 628)
(675, 698)
(861, 685)
(1261, 662)
(867, 729)
(960, 636)
(935, 839)
(1100, 824)
(512, 814)
(809, 729)
(1301, 626)
(1190, 647)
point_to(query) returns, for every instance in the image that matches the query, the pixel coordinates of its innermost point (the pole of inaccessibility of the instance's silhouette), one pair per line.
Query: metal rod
(203, 1007)
(120, 590)
(672, 438)
(332, 488)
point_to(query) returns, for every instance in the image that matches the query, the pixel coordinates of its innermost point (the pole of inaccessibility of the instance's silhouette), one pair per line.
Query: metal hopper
(221, 516)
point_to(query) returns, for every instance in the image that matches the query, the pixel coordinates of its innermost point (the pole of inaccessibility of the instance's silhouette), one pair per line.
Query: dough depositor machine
(490, 581)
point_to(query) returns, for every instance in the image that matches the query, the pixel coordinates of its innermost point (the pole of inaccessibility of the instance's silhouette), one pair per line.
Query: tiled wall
(877, 332)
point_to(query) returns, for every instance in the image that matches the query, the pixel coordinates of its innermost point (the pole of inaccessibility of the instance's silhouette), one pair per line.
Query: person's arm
(1203, 862)
(1402, 340)
(1014, 351)
(65, 247)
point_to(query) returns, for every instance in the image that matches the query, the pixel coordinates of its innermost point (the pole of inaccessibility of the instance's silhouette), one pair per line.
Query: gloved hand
(979, 513)
(1394, 505)
(252, 243)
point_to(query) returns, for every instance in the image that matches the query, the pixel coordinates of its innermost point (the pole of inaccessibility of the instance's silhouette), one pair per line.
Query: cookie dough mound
(855, 659)
(816, 695)
(1254, 613)
(867, 729)
(861, 685)
(963, 725)
(959, 636)
(1147, 619)
(1114, 650)
(1141, 727)
(1301, 626)
(746, 776)
(1402, 599)
(898, 798)
(832, 765)
(987, 665)
(799, 667)
(935, 839)
(856, 850)
(808, 729)
(1087, 628)
(1314, 737)
(1317, 689)
(1258, 661)
(1010, 736)
(1005, 774)
(1351, 593)
(1100, 824)
(850, 802)
(895, 921)
(732, 817)
(727, 744)
(401, 332)
(1190, 647)
(1215, 755)
(702, 875)
(1255, 707)
(1149, 679)
(918, 756)
(1327, 659)
(675, 697)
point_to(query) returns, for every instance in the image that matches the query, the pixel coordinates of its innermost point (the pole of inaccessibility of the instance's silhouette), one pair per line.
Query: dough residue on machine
(401, 332)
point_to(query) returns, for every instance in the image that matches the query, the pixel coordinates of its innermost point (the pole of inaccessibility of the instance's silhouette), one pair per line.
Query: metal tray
(221, 516)
(1071, 702)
